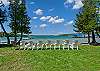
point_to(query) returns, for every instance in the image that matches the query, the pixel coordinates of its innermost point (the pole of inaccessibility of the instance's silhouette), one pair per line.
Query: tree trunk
(93, 37)
(20, 39)
(15, 40)
(8, 40)
(88, 38)
(21, 35)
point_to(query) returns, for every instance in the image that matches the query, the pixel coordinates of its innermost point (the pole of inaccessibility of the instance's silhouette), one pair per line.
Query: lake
(36, 38)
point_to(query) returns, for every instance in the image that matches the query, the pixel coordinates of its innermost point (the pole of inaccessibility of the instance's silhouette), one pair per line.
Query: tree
(3, 18)
(24, 20)
(80, 25)
(13, 11)
(86, 20)
(19, 18)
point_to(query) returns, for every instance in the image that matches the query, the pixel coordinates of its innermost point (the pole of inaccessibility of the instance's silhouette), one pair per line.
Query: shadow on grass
(5, 45)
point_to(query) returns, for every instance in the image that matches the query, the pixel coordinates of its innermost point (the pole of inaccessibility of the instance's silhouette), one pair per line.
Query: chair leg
(63, 47)
(42, 47)
(54, 47)
(59, 47)
(37, 47)
(50, 46)
(46, 47)
(72, 47)
(77, 47)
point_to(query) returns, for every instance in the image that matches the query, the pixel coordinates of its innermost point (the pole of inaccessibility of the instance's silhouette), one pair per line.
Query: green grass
(85, 59)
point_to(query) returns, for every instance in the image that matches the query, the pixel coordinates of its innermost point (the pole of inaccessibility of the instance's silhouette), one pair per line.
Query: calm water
(48, 37)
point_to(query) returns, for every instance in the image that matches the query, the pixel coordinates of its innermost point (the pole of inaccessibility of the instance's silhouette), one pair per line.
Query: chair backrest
(66, 42)
(77, 43)
(22, 43)
(58, 42)
(31, 43)
(49, 42)
(40, 42)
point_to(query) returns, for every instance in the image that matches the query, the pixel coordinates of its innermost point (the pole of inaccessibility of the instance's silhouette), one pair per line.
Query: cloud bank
(77, 3)
(38, 12)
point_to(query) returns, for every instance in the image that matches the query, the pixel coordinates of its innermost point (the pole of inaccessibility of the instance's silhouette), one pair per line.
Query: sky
(51, 16)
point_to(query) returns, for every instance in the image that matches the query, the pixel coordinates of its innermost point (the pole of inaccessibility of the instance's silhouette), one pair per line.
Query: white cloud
(56, 20)
(52, 19)
(69, 23)
(45, 18)
(78, 5)
(69, 1)
(32, 2)
(5, 2)
(34, 17)
(42, 26)
(59, 21)
(52, 9)
(39, 12)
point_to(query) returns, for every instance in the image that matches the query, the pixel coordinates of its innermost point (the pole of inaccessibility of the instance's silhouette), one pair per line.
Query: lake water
(36, 38)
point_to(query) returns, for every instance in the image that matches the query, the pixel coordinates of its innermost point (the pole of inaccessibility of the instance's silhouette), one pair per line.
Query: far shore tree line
(87, 21)
(19, 20)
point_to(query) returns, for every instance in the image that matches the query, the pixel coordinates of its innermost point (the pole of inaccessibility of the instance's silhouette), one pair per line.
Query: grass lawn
(85, 59)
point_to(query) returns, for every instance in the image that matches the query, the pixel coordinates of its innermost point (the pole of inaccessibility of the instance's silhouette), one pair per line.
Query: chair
(22, 45)
(27, 44)
(40, 45)
(48, 44)
(57, 44)
(66, 44)
(76, 45)
(71, 45)
(30, 45)
(34, 46)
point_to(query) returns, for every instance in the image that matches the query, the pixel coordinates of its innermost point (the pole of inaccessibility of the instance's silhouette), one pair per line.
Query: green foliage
(24, 19)
(86, 20)
(19, 18)
(13, 11)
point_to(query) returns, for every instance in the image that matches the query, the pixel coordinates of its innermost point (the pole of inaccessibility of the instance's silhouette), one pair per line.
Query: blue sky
(52, 16)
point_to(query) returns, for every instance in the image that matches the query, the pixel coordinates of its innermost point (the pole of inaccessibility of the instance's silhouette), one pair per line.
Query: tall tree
(3, 18)
(19, 18)
(24, 20)
(86, 20)
(13, 11)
